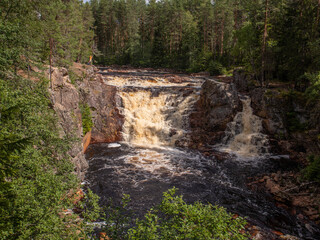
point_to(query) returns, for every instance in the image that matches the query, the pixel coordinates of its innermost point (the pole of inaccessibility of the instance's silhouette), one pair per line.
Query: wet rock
(289, 237)
(220, 103)
(270, 106)
(272, 186)
(103, 102)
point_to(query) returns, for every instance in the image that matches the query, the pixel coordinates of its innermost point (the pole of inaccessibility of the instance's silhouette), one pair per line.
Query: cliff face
(103, 102)
(82, 84)
(218, 104)
(288, 118)
(65, 99)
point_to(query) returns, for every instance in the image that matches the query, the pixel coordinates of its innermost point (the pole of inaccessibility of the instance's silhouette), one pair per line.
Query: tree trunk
(79, 55)
(50, 62)
(317, 20)
(264, 44)
(222, 35)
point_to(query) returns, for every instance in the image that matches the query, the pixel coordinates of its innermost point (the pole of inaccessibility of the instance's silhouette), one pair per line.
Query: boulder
(271, 107)
(220, 102)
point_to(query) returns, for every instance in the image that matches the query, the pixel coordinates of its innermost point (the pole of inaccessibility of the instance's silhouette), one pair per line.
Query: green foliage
(216, 68)
(293, 123)
(118, 219)
(312, 172)
(174, 218)
(36, 173)
(86, 118)
(90, 206)
(200, 35)
(313, 91)
(27, 29)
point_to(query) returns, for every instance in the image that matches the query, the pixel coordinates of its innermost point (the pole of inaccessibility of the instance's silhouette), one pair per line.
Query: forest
(275, 41)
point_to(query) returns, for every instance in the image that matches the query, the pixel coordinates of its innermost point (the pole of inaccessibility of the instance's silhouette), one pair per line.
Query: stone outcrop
(78, 85)
(242, 80)
(219, 102)
(65, 99)
(272, 108)
(292, 193)
(103, 102)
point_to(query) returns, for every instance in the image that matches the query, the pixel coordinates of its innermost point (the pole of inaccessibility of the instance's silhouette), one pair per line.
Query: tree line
(36, 175)
(271, 39)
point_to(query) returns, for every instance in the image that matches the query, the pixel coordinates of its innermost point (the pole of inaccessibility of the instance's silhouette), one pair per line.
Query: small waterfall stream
(148, 161)
(244, 135)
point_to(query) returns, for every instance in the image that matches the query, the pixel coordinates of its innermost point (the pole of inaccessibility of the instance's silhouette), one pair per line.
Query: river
(148, 161)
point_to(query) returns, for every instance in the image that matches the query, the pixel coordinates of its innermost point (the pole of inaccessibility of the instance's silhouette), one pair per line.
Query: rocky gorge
(213, 104)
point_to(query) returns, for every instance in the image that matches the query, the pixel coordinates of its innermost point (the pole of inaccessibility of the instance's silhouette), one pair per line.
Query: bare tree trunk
(317, 20)
(222, 35)
(215, 40)
(50, 62)
(264, 44)
(79, 55)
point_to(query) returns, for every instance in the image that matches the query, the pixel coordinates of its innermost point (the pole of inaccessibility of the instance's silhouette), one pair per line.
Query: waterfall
(159, 119)
(244, 134)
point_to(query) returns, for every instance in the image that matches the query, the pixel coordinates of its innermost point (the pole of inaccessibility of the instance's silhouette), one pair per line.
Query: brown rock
(277, 233)
(301, 201)
(273, 187)
(103, 236)
(86, 141)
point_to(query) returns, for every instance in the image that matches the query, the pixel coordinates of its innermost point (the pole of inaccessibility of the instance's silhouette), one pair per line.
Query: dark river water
(145, 173)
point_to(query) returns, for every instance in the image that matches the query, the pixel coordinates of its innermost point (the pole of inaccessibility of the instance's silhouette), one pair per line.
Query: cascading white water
(155, 119)
(244, 135)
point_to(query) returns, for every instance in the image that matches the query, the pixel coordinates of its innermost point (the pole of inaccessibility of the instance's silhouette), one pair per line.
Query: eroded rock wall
(83, 85)
(292, 124)
(103, 102)
(219, 103)
(65, 99)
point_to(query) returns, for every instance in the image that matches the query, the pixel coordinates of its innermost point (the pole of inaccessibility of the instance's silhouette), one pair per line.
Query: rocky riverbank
(218, 104)
(293, 126)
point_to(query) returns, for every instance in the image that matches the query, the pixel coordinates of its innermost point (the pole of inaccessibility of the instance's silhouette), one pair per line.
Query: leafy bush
(216, 68)
(312, 172)
(200, 61)
(86, 118)
(174, 218)
(313, 91)
(293, 122)
(35, 171)
(118, 219)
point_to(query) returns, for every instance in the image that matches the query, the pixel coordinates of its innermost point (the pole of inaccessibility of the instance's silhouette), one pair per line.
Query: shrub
(86, 118)
(312, 172)
(313, 91)
(35, 171)
(175, 219)
(216, 68)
